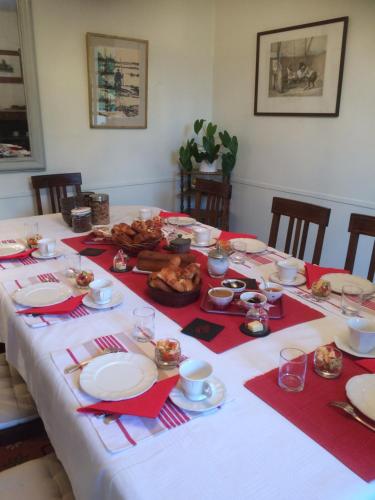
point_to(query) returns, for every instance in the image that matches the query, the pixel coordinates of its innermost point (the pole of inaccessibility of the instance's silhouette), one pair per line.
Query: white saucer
(181, 221)
(298, 280)
(343, 344)
(360, 391)
(216, 399)
(206, 244)
(116, 300)
(38, 255)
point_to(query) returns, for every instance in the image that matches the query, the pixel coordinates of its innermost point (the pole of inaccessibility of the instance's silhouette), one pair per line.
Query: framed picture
(299, 69)
(117, 74)
(10, 66)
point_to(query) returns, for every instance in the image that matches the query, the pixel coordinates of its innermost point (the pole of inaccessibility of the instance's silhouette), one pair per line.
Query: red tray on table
(235, 308)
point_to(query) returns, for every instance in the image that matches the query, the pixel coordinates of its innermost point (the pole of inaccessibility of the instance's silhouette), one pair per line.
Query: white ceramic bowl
(250, 299)
(362, 334)
(234, 284)
(272, 291)
(221, 301)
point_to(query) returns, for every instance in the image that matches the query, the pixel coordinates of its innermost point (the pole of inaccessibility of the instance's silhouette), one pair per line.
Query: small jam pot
(167, 353)
(218, 263)
(328, 361)
(84, 278)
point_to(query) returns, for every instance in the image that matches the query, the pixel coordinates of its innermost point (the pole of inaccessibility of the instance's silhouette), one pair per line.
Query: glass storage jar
(218, 263)
(99, 203)
(81, 219)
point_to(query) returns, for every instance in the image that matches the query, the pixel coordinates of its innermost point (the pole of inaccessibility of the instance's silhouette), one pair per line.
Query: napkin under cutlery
(20, 255)
(65, 307)
(314, 272)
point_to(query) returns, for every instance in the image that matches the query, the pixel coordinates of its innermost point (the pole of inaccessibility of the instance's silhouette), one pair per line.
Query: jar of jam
(99, 203)
(167, 353)
(81, 219)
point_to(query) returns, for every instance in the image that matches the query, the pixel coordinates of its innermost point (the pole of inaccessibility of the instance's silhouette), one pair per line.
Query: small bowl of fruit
(253, 299)
(321, 289)
(84, 278)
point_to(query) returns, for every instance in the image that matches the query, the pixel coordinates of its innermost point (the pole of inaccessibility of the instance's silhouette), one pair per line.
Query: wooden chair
(212, 201)
(365, 225)
(299, 212)
(56, 184)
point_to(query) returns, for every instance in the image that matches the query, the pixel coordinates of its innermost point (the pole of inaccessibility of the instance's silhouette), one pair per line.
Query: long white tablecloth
(246, 450)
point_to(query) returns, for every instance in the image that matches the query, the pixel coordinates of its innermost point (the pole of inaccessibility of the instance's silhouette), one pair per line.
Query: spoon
(350, 409)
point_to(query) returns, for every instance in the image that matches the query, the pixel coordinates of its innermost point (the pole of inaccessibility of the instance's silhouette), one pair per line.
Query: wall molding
(302, 192)
(160, 180)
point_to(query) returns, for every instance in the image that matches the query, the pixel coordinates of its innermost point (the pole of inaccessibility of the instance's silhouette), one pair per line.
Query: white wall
(133, 166)
(327, 161)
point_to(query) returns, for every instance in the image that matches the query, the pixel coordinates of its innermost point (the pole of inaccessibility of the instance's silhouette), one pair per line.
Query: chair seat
(40, 479)
(16, 403)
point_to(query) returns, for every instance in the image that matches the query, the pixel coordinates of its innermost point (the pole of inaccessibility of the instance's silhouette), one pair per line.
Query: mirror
(21, 140)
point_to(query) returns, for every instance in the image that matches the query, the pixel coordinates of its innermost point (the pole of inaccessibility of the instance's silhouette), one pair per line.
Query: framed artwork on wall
(10, 66)
(117, 77)
(299, 69)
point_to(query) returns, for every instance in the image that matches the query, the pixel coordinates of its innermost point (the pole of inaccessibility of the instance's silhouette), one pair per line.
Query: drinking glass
(144, 324)
(72, 264)
(351, 300)
(238, 256)
(292, 369)
(32, 235)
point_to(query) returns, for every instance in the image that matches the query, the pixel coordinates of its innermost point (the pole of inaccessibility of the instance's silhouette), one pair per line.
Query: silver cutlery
(348, 408)
(77, 366)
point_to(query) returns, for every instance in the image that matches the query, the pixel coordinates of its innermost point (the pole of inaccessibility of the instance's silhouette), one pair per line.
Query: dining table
(244, 449)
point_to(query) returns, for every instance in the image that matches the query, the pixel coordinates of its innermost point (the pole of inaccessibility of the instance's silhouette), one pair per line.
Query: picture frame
(117, 80)
(10, 66)
(299, 69)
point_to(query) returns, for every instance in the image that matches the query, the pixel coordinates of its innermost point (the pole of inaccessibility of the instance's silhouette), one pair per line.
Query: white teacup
(145, 213)
(47, 246)
(194, 374)
(362, 334)
(287, 270)
(101, 290)
(202, 235)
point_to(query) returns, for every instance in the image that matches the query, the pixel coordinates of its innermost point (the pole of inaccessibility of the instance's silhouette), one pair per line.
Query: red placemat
(294, 311)
(348, 440)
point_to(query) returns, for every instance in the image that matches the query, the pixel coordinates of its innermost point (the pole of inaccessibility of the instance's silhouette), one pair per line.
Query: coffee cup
(287, 270)
(46, 246)
(201, 235)
(101, 290)
(193, 375)
(145, 213)
(362, 334)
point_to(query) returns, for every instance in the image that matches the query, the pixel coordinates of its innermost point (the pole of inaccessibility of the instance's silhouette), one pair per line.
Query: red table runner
(294, 311)
(348, 440)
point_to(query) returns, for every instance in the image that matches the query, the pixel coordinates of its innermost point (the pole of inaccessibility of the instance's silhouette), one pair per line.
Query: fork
(77, 366)
(350, 409)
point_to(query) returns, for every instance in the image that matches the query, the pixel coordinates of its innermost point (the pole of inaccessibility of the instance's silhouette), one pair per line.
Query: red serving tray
(235, 308)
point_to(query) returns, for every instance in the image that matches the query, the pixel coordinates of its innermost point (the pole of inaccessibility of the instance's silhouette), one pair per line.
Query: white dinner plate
(11, 248)
(298, 280)
(181, 221)
(38, 255)
(252, 245)
(42, 294)
(206, 244)
(342, 343)
(116, 300)
(216, 399)
(121, 375)
(360, 391)
(338, 280)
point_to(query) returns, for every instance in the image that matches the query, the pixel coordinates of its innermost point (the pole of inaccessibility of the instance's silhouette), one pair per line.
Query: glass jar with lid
(81, 219)
(99, 203)
(218, 263)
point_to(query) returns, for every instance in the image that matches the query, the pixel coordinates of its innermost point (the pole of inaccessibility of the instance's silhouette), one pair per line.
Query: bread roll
(154, 261)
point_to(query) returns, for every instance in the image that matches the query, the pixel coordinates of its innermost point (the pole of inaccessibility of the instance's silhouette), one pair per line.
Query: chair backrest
(365, 225)
(56, 185)
(301, 215)
(212, 201)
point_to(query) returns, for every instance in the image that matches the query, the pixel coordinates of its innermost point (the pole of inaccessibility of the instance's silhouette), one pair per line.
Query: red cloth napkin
(349, 441)
(228, 235)
(314, 272)
(172, 214)
(147, 404)
(20, 255)
(368, 364)
(62, 308)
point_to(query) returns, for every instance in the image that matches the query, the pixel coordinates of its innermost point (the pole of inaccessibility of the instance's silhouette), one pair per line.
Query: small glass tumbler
(72, 264)
(328, 361)
(144, 324)
(239, 252)
(351, 300)
(292, 369)
(32, 235)
(167, 353)
(321, 289)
